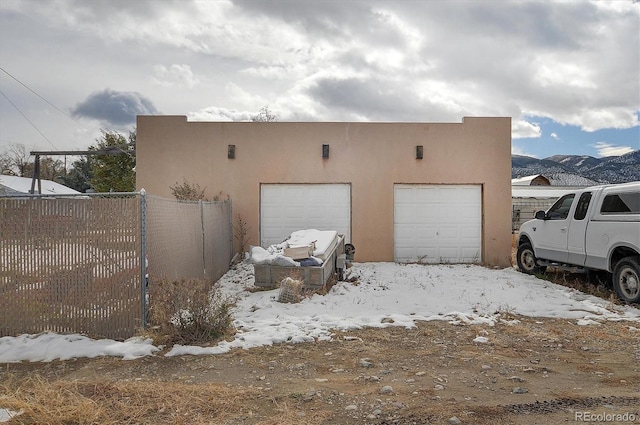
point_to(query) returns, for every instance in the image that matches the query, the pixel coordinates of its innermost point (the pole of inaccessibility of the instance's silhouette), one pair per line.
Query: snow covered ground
(387, 294)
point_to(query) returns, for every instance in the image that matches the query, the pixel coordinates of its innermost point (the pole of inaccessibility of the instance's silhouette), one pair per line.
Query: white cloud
(175, 75)
(553, 73)
(605, 149)
(517, 150)
(521, 129)
(269, 72)
(593, 120)
(241, 98)
(214, 113)
(575, 63)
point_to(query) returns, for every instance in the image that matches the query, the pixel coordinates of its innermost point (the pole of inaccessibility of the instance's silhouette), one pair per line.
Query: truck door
(578, 231)
(554, 231)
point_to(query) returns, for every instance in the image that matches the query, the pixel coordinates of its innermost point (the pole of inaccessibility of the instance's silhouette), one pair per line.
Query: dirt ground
(529, 371)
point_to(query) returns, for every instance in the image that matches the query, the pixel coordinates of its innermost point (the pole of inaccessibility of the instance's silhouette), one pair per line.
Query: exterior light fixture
(419, 152)
(231, 152)
(325, 151)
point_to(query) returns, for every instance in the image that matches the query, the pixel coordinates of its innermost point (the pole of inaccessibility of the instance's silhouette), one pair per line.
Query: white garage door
(285, 208)
(438, 223)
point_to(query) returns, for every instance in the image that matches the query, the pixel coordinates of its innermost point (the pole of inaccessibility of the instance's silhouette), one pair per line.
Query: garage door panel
(428, 210)
(406, 252)
(468, 211)
(416, 231)
(437, 223)
(423, 254)
(285, 208)
(470, 255)
(448, 233)
(422, 232)
(404, 215)
(449, 253)
(405, 231)
(449, 195)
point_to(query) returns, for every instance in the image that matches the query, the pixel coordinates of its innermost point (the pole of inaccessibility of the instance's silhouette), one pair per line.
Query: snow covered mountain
(579, 170)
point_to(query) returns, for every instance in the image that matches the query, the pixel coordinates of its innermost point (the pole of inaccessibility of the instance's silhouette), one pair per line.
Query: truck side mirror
(540, 215)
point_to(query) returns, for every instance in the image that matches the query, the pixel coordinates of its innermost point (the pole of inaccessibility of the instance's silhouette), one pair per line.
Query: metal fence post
(204, 257)
(231, 227)
(144, 279)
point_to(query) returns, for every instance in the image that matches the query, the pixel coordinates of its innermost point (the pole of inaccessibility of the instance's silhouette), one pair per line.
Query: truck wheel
(527, 261)
(626, 279)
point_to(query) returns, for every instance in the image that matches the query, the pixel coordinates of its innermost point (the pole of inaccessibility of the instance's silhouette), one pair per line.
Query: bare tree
(50, 169)
(6, 165)
(265, 115)
(14, 161)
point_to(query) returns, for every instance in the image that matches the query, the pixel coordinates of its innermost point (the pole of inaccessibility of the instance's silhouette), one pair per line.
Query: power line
(52, 105)
(27, 118)
(34, 92)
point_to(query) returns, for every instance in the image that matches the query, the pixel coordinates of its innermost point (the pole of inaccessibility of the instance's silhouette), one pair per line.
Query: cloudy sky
(566, 72)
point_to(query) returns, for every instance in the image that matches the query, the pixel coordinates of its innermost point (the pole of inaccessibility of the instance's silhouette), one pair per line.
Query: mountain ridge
(579, 170)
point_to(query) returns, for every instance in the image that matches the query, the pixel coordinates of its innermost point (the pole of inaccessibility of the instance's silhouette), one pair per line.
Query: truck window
(583, 206)
(560, 210)
(621, 203)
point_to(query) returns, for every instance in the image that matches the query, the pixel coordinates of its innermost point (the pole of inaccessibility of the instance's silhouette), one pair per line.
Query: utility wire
(27, 118)
(51, 104)
(59, 110)
(123, 151)
(32, 91)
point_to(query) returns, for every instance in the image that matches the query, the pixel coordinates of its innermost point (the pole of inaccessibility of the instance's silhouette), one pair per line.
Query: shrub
(190, 311)
(240, 230)
(187, 191)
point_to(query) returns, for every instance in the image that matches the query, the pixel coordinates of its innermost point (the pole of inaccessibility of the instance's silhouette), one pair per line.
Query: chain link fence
(82, 264)
(186, 239)
(524, 209)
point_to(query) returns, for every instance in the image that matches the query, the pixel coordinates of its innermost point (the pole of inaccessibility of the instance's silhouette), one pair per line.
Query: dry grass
(109, 402)
(593, 368)
(598, 284)
(287, 415)
(189, 311)
(105, 390)
(106, 402)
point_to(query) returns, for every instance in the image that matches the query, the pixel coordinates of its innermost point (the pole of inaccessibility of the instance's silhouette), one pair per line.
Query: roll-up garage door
(438, 223)
(285, 208)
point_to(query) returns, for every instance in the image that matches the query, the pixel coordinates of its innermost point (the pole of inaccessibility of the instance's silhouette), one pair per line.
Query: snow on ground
(387, 294)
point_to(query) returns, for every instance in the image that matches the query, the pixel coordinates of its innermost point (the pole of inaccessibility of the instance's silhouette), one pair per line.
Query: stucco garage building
(434, 192)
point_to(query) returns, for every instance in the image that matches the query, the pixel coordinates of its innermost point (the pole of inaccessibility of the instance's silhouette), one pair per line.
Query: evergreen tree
(79, 176)
(114, 172)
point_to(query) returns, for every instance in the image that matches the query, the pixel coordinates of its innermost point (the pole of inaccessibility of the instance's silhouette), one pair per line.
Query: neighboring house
(535, 180)
(526, 200)
(14, 186)
(428, 192)
(537, 192)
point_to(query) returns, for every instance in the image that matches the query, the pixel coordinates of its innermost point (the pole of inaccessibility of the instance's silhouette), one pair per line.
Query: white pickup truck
(595, 228)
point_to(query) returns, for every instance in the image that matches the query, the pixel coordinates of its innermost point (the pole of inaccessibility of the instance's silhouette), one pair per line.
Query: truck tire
(527, 261)
(626, 279)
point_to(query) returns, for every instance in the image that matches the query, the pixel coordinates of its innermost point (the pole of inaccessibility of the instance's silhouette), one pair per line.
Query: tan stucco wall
(369, 156)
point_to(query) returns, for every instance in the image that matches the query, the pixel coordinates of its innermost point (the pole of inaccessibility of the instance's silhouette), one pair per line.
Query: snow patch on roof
(13, 185)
